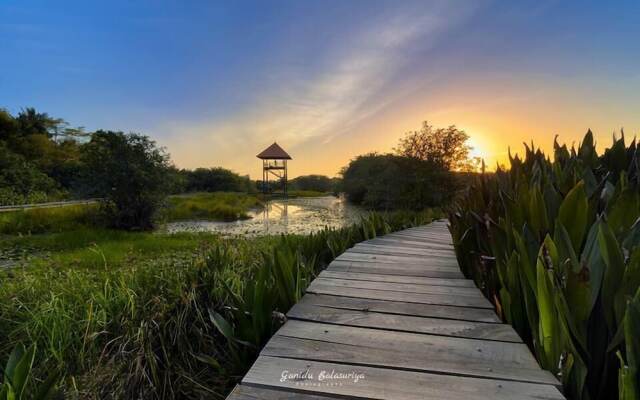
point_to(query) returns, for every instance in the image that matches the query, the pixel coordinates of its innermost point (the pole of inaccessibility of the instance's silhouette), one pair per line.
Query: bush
(556, 247)
(395, 182)
(216, 180)
(21, 182)
(314, 183)
(130, 173)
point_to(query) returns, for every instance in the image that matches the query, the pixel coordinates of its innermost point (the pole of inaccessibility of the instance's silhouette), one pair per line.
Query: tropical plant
(17, 374)
(555, 246)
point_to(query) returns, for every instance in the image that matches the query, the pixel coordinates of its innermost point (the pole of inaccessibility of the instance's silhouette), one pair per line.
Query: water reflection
(299, 216)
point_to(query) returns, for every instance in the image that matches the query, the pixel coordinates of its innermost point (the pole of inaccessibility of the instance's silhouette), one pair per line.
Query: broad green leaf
(573, 214)
(614, 272)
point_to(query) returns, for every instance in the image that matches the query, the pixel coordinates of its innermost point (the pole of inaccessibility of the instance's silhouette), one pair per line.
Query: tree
(21, 182)
(131, 173)
(32, 122)
(446, 148)
(388, 181)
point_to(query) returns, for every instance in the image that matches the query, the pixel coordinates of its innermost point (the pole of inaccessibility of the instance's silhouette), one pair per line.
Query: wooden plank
(400, 260)
(419, 237)
(384, 268)
(397, 279)
(401, 287)
(422, 298)
(387, 384)
(401, 308)
(247, 392)
(402, 251)
(390, 265)
(449, 250)
(404, 323)
(410, 243)
(400, 350)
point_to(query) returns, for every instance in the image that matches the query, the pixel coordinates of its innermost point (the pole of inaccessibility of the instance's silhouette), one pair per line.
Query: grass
(307, 193)
(143, 315)
(217, 206)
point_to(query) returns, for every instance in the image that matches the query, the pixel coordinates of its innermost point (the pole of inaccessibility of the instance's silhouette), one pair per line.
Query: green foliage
(49, 220)
(15, 385)
(21, 182)
(130, 173)
(554, 244)
(218, 206)
(314, 183)
(445, 148)
(394, 182)
(215, 180)
(169, 324)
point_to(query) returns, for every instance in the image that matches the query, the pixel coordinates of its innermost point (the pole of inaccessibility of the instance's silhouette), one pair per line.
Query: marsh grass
(48, 220)
(217, 206)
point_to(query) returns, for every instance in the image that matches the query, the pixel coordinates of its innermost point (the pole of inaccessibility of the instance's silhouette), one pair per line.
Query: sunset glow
(217, 82)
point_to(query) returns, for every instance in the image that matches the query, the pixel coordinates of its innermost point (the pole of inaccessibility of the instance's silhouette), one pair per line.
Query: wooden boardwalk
(394, 318)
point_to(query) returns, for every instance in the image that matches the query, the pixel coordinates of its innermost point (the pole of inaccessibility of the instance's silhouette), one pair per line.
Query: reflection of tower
(274, 165)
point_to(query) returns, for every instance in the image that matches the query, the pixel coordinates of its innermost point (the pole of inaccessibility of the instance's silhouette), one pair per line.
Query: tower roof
(274, 152)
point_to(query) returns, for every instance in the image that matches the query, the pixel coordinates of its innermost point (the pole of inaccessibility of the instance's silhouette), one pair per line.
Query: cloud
(360, 76)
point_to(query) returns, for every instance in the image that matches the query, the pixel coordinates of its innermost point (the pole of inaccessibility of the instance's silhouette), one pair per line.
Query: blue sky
(215, 82)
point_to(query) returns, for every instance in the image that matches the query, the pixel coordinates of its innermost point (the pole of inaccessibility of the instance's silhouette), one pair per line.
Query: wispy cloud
(352, 87)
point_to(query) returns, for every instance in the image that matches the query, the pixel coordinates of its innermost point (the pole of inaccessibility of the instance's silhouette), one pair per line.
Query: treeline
(42, 158)
(428, 168)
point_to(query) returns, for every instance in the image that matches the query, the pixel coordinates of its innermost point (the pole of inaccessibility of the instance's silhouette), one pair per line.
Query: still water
(298, 216)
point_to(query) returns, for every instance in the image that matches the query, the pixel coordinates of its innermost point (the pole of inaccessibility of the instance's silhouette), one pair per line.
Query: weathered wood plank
(247, 392)
(419, 237)
(386, 268)
(400, 350)
(401, 308)
(388, 384)
(397, 279)
(402, 251)
(399, 260)
(442, 299)
(404, 323)
(401, 287)
(409, 243)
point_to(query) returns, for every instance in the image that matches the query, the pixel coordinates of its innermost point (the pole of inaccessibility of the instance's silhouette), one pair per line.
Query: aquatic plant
(555, 246)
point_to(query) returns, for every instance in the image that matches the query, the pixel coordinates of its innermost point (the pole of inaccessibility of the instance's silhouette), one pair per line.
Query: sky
(215, 82)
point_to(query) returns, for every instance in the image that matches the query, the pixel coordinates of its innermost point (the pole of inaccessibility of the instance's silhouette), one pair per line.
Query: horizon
(217, 83)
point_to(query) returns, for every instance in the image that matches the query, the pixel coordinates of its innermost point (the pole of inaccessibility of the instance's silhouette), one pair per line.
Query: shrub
(130, 173)
(313, 183)
(395, 182)
(555, 246)
(21, 182)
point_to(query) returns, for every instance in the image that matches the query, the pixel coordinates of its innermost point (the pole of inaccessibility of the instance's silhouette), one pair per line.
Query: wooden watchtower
(274, 165)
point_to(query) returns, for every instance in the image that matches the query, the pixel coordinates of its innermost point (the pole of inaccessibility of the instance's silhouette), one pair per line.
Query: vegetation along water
(555, 246)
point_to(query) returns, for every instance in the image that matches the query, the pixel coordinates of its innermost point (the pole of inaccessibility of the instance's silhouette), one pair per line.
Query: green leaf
(47, 389)
(573, 214)
(614, 260)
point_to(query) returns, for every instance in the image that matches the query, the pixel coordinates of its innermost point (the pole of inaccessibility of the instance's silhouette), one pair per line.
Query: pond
(297, 216)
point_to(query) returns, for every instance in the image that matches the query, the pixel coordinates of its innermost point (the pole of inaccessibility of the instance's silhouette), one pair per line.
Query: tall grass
(555, 246)
(168, 328)
(48, 220)
(218, 206)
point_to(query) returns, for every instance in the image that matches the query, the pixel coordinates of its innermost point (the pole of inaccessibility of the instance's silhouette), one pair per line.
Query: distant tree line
(43, 158)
